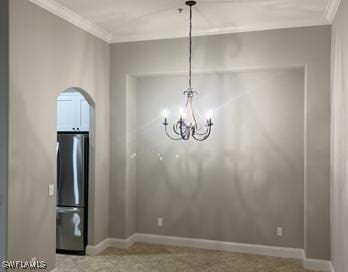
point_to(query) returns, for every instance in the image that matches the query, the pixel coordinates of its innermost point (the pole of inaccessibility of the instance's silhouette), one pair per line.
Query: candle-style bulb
(209, 115)
(165, 113)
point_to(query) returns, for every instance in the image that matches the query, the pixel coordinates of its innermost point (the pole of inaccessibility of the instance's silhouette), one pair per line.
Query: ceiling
(136, 20)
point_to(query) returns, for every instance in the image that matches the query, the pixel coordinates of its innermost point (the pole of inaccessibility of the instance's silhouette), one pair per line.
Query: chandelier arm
(205, 136)
(200, 140)
(170, 136)
(184, 130)
(175, 129)
(202, 133)
(178, 128)
(182, 133)
(185, 134)
(200, 128)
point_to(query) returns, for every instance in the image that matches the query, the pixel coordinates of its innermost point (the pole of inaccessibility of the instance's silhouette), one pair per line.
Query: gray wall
(339, 167)
(4, 94)
(236, 185)
(49, 55)
(309, 47)
(131, 173)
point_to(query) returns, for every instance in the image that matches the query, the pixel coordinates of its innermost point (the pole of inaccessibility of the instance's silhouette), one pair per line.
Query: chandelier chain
(190, 53)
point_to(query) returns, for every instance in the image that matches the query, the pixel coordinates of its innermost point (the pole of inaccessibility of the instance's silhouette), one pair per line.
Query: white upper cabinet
(73, 112)
(84, 115)
(66, 112)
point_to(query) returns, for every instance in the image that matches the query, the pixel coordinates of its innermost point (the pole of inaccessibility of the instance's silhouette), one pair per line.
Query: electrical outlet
(279, 232)
(160, 222)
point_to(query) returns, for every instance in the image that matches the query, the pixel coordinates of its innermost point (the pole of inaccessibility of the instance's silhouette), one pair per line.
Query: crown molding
(73, 18)
(81, 22)
(218, 31)
(331, 9)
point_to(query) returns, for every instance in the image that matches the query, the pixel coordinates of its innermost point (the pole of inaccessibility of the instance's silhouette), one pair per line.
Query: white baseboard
(110, 242)
(98, 248)
(122, 243)
(219, 245)
(295, 253)
(317, 265)
(332, 268)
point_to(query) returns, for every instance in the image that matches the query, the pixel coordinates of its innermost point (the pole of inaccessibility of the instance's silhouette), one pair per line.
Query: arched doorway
(75, 174)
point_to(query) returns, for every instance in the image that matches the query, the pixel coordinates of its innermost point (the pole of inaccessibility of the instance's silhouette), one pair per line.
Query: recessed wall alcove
(240, 184)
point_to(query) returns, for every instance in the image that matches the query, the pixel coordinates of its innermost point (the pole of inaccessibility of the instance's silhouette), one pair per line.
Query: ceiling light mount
(191, 3)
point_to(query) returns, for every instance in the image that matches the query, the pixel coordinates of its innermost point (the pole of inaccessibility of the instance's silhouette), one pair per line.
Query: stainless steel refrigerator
(72, 192)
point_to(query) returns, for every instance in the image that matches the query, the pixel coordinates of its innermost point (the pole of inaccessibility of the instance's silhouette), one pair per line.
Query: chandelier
(188, 125)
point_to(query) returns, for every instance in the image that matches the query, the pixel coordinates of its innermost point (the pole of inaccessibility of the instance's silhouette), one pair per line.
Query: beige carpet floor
(156, 258)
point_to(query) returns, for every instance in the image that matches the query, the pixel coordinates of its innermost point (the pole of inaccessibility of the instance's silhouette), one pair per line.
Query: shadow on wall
(236, 185)
(260, 166)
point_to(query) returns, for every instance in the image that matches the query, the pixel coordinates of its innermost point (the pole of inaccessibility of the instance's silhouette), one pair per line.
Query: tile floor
(156, 258)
